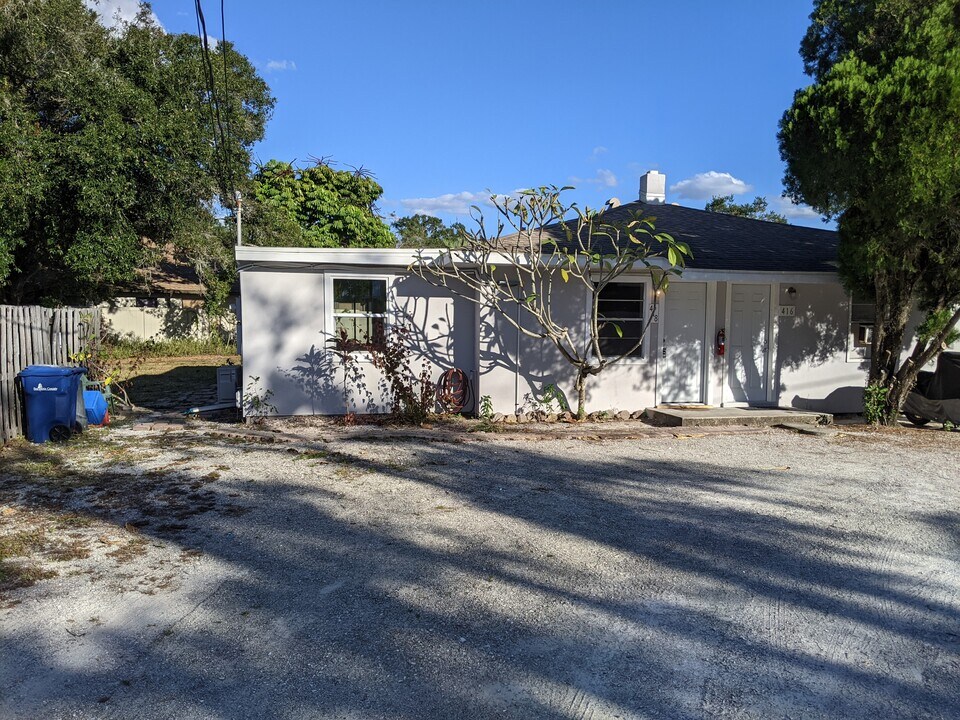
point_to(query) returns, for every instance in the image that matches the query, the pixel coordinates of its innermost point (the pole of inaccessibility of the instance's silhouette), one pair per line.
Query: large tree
(873, 142)
(316, 206)
(756, 210)
(108, 154)
(426, 231)
(542, 245)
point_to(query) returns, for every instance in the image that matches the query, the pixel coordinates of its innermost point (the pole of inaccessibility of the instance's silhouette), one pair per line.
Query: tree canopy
(426, 231)
(873, 141)
(316, 206)
(756, 210)
(107, 152)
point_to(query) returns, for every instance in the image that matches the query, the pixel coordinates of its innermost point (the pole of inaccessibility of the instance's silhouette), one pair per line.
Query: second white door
(747, 339)
(683, 343)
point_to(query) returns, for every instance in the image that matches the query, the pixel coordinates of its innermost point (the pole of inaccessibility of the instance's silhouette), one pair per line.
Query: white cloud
(606, 178)
(280, 65)
(450, 203)
(704, 186)
(603, 178)
(786, 207)
(597, 152)
(113, 13)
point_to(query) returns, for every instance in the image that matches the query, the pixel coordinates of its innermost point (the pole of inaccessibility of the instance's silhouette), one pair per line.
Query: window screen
(620, 306)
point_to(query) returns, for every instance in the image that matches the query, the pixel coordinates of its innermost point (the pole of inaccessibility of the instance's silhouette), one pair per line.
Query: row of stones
(599, 416)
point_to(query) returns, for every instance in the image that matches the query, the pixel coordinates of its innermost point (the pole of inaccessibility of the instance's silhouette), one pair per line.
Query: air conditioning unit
(228, 383)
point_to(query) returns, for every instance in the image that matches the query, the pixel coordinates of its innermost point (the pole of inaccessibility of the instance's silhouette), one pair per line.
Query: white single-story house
(793, 335)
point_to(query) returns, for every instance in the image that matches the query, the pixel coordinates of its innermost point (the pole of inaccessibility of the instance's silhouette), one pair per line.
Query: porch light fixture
(792, 292)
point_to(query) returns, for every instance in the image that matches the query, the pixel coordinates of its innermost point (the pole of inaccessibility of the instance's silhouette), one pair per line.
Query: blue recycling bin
(52, 401)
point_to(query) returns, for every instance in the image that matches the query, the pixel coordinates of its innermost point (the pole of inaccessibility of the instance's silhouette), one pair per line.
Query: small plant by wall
(550, 400)
(486, 407)
(874, 403)
(256, 401)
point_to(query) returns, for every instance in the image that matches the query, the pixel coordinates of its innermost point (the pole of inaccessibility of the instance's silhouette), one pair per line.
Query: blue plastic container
(96, 407)
(53, 401)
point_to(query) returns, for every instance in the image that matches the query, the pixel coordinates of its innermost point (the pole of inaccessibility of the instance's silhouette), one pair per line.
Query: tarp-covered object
(937, 395)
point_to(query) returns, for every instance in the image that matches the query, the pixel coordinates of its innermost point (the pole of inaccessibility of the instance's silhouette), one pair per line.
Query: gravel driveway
(768, 575)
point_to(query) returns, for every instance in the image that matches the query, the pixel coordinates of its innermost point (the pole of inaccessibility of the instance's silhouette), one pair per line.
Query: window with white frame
(863, 314)
(359, 313)
(620, 317)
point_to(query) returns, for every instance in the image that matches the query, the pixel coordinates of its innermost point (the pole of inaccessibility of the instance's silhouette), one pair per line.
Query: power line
(226, 82)
(225, 172)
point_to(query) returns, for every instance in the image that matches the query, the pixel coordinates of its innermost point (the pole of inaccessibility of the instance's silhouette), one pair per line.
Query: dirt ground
(306, 570)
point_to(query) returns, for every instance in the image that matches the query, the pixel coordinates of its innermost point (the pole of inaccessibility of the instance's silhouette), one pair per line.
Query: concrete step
(706, 416)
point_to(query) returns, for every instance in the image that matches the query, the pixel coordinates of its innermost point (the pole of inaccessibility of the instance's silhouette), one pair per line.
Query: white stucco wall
(817, 367)
(813, 371)
(286, 328)
(628, 385)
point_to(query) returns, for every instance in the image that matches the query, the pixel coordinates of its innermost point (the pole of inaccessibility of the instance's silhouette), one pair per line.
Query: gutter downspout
(516, 373)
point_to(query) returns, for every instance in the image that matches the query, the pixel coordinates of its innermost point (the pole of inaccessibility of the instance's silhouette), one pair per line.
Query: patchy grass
(20, 575)
(74, 550)
(349, 473)
(486, 425)
(934, 436)
(73, 520)
(181, 347)
(312, 455)
(60, 505)
(130, 550)
(42, 465)
(22, 543)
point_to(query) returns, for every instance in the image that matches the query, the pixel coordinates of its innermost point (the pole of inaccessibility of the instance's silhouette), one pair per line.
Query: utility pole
(239, 200)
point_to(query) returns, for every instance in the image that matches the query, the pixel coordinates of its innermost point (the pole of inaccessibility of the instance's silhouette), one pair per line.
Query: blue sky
(445, 102)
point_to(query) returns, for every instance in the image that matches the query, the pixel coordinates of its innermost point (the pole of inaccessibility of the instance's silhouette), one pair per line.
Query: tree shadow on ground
(592, 589)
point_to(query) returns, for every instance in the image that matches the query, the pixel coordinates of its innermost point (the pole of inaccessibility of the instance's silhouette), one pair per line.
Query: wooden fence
(32, 335)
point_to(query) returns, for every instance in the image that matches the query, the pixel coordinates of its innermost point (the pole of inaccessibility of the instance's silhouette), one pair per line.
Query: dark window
(620, 316)
(145, 302)
(359, 313)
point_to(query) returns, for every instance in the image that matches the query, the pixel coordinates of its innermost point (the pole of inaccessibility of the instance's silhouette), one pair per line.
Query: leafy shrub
(874, 403)
(412, 395)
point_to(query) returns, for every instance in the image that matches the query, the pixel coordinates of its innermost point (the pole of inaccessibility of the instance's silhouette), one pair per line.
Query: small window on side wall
(620, 314)
(359, 313)
(862, 319)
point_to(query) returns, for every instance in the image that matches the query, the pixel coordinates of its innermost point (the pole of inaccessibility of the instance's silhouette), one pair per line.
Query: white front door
(685, 318)
(747, 339)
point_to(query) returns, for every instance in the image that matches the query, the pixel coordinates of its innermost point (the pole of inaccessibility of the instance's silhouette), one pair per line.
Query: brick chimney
(653, 188)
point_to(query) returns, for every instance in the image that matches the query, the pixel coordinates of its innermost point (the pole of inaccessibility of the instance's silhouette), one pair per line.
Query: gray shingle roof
(727, 242)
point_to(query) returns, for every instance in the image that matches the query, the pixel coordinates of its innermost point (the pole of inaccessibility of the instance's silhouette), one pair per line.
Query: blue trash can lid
(50, 371)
